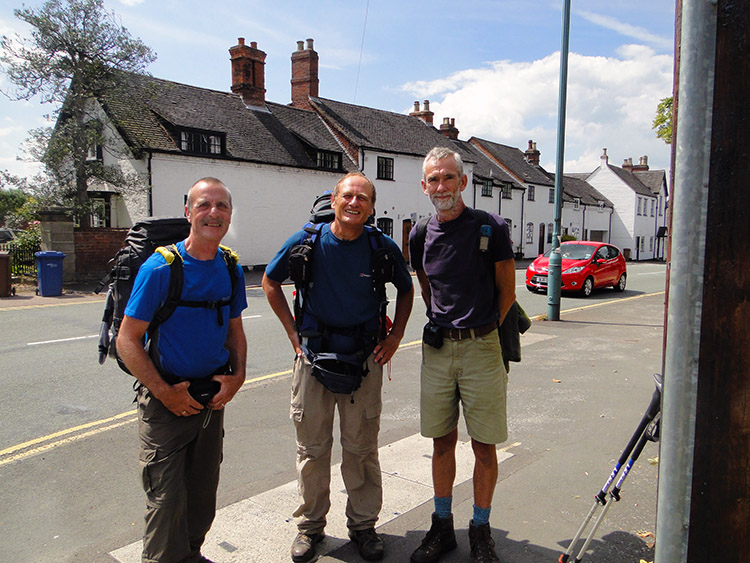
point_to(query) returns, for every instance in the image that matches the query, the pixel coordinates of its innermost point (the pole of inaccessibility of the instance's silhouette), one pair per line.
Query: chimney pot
(427, 105)
(305, 81)
(416, 106)
(248, 73)
(448, 128)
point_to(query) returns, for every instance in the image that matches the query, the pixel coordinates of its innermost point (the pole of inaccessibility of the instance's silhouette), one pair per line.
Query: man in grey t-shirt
(467, 296)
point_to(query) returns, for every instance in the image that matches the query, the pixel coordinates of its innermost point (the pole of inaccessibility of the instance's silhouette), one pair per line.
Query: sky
(492, 65)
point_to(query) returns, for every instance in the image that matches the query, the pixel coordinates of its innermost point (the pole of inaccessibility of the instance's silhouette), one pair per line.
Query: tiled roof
(576, 187)
(515, 161)
(484, 168)
(256, 135)
(381, 130)
(652, 179)
(631, 181)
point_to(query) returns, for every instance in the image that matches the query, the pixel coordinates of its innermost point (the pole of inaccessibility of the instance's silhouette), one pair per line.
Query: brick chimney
(628, 164)
(425, 115)
(304, 75)
(532, 154)
(604, 158)
(248, 73)
(448, 128)
(642, 165)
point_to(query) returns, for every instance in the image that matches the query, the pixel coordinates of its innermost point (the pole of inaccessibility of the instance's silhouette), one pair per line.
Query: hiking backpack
(300, 260)
(143, 239)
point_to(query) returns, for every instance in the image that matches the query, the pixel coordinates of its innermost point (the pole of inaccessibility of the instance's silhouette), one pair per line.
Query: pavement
(574, 402)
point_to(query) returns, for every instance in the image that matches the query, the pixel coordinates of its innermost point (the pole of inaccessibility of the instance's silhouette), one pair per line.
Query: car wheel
(588, 287)
(620, 285)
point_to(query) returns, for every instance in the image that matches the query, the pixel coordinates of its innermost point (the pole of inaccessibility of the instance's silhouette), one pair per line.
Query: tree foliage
(11, 200)
(663, 120)
(76, 52)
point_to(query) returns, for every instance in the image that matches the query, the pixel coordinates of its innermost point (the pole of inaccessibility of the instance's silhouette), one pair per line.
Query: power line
(361, 50)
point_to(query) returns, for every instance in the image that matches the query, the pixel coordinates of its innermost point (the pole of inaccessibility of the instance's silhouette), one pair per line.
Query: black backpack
(300, 259)
(144, 238)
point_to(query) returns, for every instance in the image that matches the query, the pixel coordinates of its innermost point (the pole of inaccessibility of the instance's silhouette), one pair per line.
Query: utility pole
(704, 490)
(554, 275)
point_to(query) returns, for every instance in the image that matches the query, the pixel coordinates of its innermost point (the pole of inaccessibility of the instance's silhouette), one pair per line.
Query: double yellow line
(70, 435)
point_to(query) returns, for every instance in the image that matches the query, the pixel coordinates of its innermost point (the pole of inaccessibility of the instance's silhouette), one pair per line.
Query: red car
(586, 265)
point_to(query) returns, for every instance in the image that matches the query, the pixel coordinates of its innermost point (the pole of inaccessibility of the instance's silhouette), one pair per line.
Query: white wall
(270, 202)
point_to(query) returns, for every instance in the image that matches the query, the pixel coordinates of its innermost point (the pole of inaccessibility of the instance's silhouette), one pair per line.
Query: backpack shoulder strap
(417, 246)
(232, 259)
(176, 277)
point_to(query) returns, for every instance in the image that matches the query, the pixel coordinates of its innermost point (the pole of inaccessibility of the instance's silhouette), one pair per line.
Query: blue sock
(443, 506)
(481, 515)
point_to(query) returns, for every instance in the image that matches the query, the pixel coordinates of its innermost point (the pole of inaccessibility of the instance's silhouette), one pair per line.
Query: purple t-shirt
(462, 283)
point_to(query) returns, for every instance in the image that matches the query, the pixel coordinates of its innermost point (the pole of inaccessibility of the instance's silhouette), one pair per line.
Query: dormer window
(328, 160)
(202, 142)
(487, 188)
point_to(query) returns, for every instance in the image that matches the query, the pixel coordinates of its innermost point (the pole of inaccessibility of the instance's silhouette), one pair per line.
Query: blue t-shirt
(191, 342)
(342, 293)
(462, 286)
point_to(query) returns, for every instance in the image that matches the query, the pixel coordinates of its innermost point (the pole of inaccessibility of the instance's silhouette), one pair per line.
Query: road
(68, 447)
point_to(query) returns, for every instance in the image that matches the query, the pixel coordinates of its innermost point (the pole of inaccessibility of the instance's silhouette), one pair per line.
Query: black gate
(22, 260)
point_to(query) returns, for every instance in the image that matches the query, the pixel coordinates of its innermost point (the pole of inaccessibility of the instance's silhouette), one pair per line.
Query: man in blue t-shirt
(467, 295)
(181, 438)
(341, 315)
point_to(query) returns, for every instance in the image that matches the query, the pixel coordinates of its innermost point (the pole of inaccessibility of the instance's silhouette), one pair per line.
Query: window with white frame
(487, 188)
(576, 203)
(552, 195)
(660, 205)
(328, 160)
(201, 142)
(507, 191)
(531, 193)
(639, 205)
(643, 244)
(653, 207)
(650, 244)
(529, 233)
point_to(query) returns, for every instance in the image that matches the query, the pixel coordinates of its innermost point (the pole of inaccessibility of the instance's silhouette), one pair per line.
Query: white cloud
(628, 30)
(610, 103)
(131, 2)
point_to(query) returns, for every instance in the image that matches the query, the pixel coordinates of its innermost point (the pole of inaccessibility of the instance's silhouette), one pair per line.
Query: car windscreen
(577, 251)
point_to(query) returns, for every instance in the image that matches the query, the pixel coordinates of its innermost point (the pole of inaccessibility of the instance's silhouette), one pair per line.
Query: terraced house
(276, 158)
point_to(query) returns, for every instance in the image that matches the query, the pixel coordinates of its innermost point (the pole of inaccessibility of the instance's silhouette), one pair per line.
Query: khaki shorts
(469, 372)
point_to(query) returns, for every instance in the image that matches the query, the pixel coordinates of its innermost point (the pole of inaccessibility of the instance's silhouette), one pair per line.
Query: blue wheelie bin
(49, 268)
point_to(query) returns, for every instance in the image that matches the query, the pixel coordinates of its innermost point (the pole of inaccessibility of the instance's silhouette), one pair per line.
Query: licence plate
(542, 280)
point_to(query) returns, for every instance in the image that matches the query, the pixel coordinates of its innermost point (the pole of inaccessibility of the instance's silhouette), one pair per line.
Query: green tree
(77, 52)
(11, 200)
(663, 121)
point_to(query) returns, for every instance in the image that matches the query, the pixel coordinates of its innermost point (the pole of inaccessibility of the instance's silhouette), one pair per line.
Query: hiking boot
(482, 544)
(303, 547)
(439, 540)
(370, 544)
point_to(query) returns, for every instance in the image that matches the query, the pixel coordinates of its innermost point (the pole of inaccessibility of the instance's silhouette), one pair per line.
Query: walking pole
(651, 434)
(601, 497)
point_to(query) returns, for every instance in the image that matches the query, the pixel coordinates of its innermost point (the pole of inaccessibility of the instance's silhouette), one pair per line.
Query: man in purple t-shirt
(467, 295)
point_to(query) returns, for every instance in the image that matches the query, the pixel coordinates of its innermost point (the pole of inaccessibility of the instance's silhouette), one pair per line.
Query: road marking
(62, 340)
(115, 421)
(97, 336)
(260, 528)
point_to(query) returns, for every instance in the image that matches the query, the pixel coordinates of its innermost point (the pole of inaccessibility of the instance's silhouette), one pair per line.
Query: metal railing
(22, 261)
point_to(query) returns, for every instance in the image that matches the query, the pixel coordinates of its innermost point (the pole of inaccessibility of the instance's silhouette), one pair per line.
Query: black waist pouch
(339, 373)
(203, 390)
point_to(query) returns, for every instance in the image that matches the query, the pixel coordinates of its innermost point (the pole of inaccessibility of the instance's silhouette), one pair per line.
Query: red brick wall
(94, 248)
